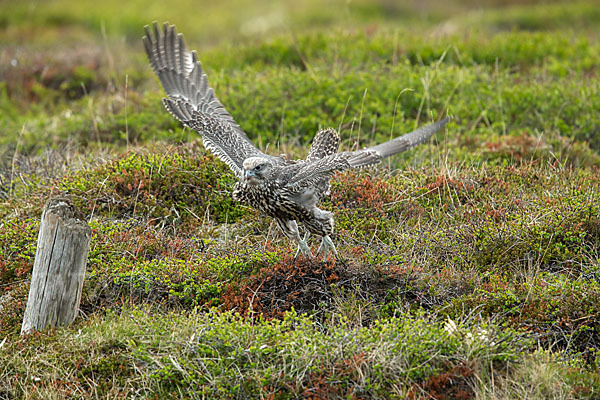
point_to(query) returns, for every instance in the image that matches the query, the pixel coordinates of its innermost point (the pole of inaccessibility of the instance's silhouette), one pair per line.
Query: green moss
(110, 368)
(269, 355)
(17, 249)
(561, 308)
(167, 188)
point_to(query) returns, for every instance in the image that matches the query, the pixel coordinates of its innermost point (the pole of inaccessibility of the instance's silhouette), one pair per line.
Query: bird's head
(256, 169)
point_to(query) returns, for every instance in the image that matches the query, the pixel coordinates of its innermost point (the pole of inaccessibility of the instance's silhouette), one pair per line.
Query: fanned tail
(325, 143)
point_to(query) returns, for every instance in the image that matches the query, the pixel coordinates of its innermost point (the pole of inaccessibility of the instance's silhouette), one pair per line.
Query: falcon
(287, 190)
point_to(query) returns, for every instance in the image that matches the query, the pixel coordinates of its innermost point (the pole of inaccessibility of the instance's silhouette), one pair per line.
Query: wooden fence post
(59, 267)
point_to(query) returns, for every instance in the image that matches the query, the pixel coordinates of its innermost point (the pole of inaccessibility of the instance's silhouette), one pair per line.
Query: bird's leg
(290, 228)
(306, 236)
(326, 246)
(303, 248)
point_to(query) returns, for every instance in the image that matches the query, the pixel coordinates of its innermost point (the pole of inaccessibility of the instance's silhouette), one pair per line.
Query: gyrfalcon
(287, 190)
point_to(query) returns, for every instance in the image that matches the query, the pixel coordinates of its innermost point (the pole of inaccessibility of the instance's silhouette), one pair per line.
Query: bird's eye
(258, 167)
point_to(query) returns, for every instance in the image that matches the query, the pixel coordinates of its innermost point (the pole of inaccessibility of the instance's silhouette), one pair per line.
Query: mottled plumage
(288, 191)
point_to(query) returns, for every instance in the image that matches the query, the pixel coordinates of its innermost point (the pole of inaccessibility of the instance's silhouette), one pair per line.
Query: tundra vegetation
(469, 267)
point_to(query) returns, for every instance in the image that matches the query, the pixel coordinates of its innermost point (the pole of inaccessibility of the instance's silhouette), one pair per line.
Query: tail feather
(325, 143)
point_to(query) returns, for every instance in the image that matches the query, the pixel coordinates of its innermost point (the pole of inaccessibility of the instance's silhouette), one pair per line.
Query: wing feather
(314, 173)
(192, 101)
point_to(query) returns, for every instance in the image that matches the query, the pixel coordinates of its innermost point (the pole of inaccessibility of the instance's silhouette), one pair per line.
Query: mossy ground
(468, 267)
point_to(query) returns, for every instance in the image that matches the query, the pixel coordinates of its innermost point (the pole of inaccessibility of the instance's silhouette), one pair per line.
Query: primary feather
(192, 101)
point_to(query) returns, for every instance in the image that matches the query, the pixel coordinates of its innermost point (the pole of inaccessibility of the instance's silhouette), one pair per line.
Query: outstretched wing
(400, 144)
(314, 173)
(192, 101)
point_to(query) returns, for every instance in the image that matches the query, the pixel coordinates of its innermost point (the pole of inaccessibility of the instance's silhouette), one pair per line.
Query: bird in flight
(287, 190)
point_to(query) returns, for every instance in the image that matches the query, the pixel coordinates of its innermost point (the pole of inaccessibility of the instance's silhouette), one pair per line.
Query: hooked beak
(249, 175)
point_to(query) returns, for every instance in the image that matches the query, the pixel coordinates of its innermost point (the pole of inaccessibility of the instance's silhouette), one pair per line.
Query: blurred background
(211, 23)
(514, 73)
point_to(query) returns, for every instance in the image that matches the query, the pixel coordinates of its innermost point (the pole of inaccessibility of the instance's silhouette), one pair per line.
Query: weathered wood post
(59, 267)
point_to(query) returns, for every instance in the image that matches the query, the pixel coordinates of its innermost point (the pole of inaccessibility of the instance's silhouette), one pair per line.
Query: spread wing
(314, 173)
(192, 101)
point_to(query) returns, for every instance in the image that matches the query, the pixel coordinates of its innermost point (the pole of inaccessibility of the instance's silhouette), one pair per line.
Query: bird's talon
(326, 246)
(304, 249)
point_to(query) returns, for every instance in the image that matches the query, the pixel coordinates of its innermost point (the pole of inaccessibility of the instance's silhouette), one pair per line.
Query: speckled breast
(269, 199)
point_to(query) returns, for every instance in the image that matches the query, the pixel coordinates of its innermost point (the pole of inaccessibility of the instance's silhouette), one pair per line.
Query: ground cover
(468, 268)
